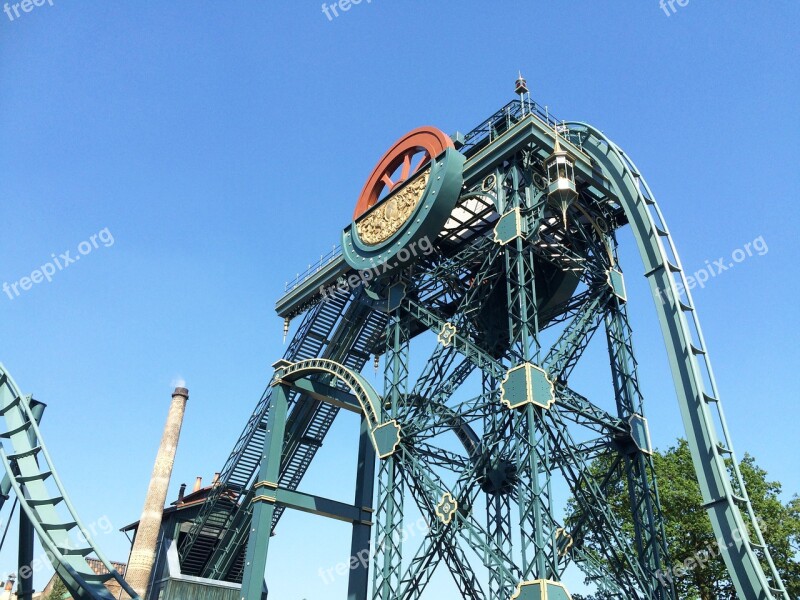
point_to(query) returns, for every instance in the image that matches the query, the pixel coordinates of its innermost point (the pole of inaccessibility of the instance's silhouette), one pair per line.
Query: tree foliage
(59, 591)
(698, 570)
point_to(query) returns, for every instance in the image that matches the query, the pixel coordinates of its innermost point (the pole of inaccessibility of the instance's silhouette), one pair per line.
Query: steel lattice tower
(490, 259)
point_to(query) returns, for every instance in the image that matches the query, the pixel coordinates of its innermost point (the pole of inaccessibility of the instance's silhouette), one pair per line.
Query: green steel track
(33, 477)
(449, 295)
(725, 498)
(347, 328)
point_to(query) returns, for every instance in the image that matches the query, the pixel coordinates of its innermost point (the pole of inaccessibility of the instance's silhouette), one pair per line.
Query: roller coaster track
(341, 329)
(41, 495)
(722, 485)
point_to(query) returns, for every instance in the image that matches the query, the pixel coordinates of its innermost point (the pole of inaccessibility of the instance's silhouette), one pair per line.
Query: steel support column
(25, 558)
(362, 531)
(389, 513)
(650, 536)
(264, 500)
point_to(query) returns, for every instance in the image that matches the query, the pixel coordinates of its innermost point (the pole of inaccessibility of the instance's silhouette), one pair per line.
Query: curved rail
(385, 434)
(723, 496)
(29, 467)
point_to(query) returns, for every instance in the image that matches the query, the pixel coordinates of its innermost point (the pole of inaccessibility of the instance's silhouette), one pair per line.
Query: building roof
(99, 568)
(187, 501)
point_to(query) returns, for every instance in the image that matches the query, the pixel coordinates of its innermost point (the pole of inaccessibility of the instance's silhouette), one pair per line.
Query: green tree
(59, 591)
(690, 537)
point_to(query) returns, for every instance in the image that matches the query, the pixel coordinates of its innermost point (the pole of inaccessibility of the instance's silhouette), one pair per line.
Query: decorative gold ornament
(446, 509)
(566, 546)
(388, 216)
(447, 334)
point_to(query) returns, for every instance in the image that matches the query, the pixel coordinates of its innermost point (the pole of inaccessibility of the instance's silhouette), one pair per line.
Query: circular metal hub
(402, 161)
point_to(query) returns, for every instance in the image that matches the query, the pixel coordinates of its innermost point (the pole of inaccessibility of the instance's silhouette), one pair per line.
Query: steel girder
(389, 513)
(444, 294)
(650, 536)
(31, 474)
(536, 426)
(725, 497)
(563, 355)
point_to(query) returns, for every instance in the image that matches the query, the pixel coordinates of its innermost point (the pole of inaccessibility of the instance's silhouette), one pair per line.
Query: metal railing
(324, 260)
(487, 131)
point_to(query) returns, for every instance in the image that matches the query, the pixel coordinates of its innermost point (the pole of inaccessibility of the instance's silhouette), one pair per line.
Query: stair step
(45, 501)
(75, 551)
(56, 526)
(16, 430)
(35, 477)
(31, 452)
(312, 417)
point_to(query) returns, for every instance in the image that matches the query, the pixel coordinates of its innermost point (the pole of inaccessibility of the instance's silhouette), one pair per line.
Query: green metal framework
(481, 435)
(31, 474)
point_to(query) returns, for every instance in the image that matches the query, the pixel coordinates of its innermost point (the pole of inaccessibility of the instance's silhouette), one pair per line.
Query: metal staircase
(341, 329)
(215, 515)
(42, 497)
(306, 429)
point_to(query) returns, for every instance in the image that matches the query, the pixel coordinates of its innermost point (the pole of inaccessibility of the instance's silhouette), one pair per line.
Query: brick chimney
(143, 554)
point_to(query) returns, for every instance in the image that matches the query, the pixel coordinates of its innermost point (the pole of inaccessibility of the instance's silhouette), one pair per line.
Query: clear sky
(222, 146)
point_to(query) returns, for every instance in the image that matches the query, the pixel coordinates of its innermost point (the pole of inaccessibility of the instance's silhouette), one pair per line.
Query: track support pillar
(360, 545)
(25, 570)
(264, 500)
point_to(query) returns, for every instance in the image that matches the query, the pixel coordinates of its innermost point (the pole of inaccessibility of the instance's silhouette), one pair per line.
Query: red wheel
(403, 160)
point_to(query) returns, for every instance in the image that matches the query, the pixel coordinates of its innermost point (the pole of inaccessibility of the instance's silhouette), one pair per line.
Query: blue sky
(222, 146)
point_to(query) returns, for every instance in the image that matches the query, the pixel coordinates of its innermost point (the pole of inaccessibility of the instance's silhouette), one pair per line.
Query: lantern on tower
(521, 89)
(521, 86)
(560, 165)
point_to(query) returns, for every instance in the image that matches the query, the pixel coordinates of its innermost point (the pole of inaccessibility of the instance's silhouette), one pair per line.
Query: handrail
(324, 260)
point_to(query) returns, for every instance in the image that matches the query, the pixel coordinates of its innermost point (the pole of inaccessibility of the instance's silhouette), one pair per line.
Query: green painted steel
(339, 329)
(680, 326)
(177, 589)
(514, 293)
(358, 582)
(40, 492)
(426, 221)
(264, 501)
(385, 434)
(384, 437)
(541, 590)
(389, 505)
